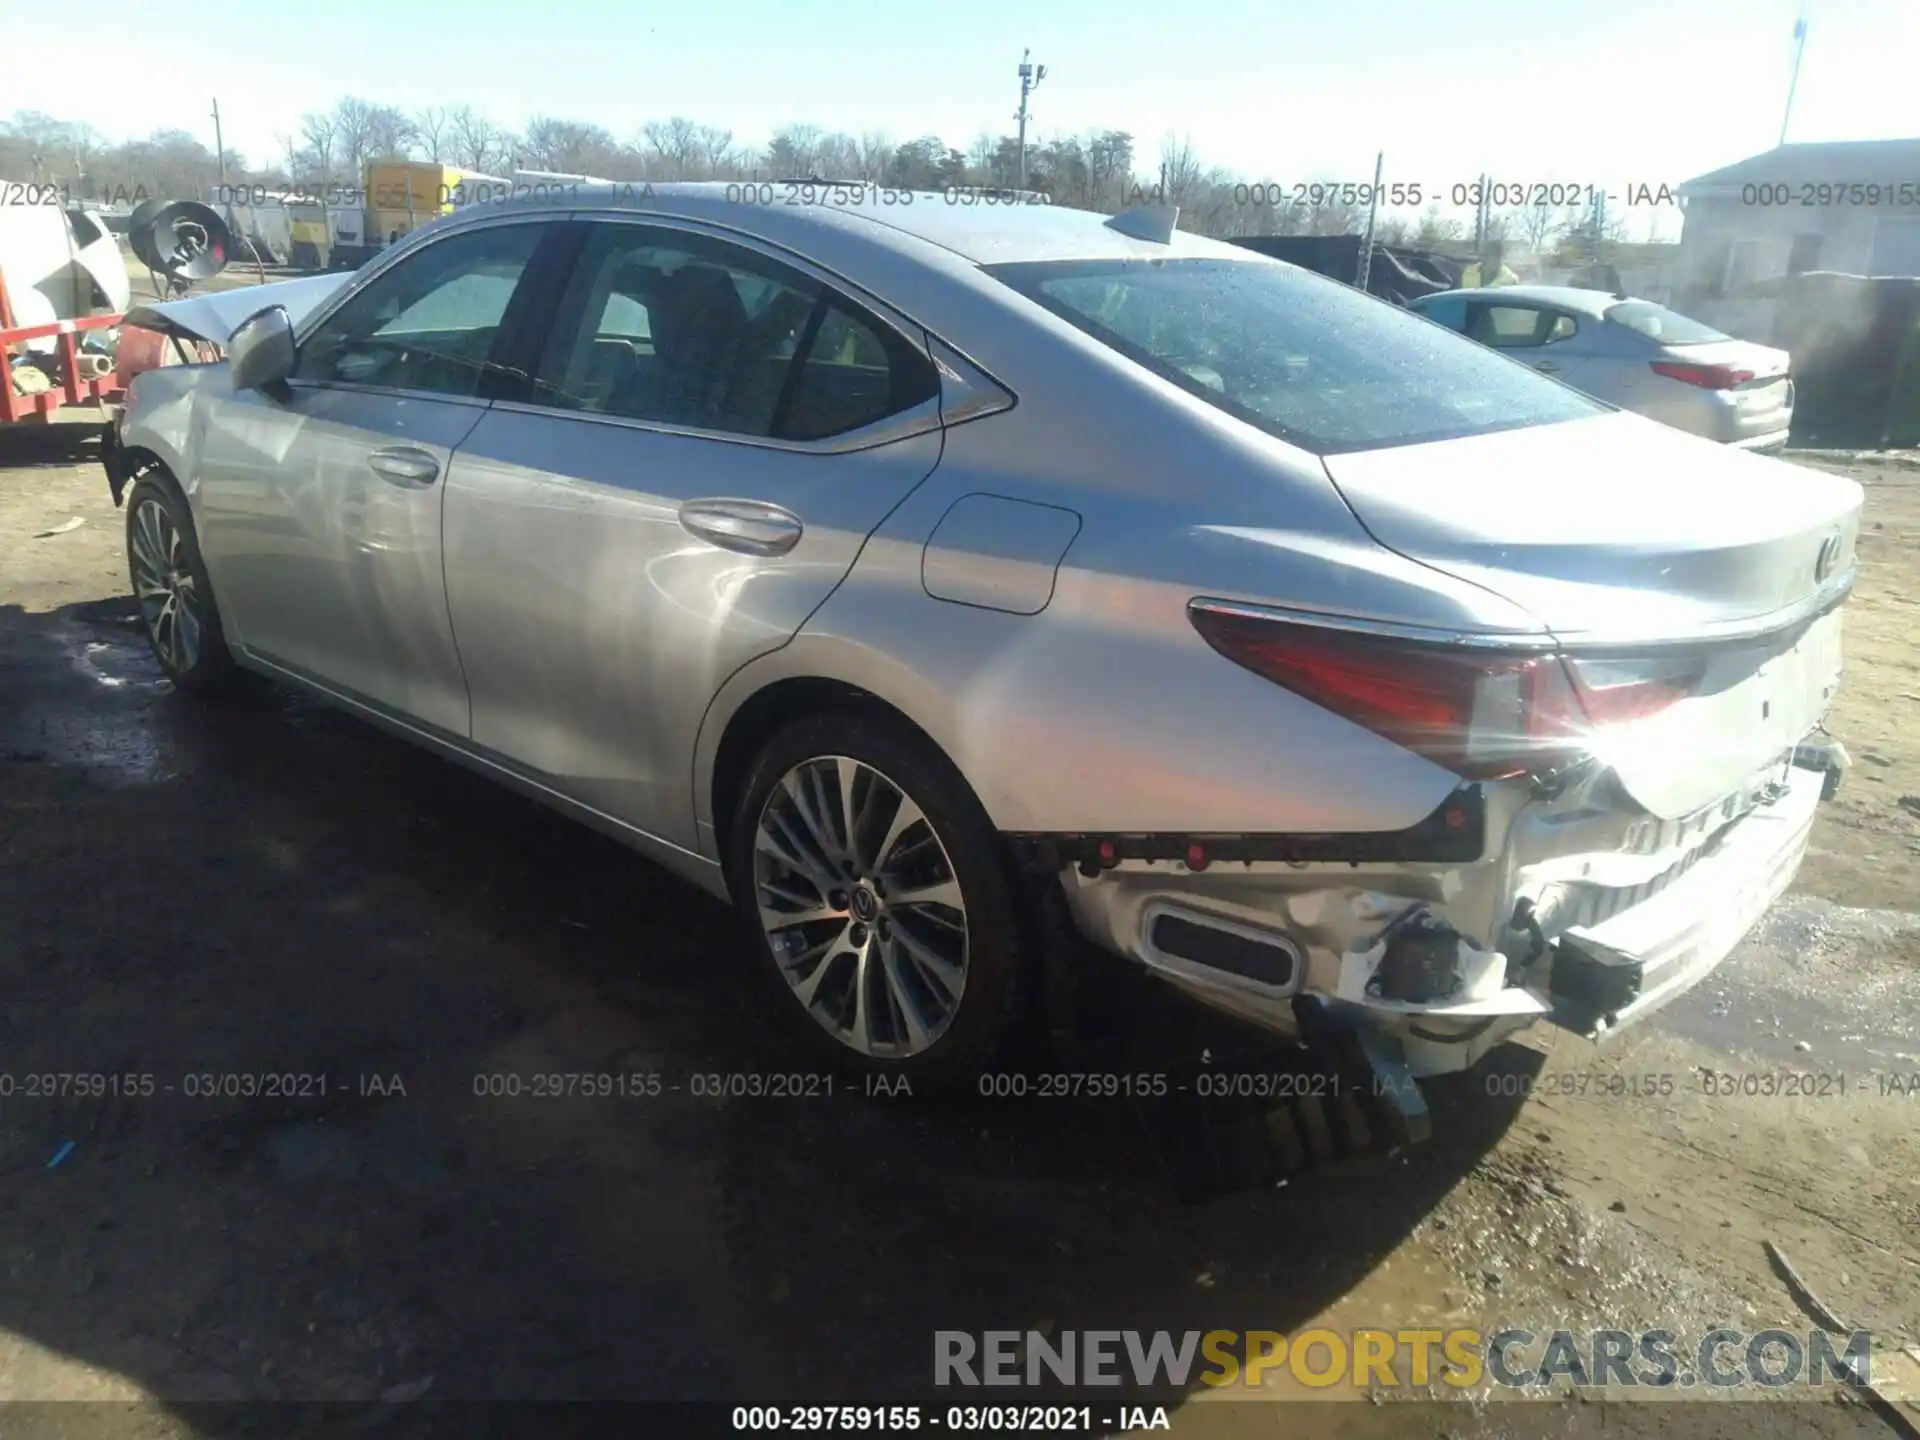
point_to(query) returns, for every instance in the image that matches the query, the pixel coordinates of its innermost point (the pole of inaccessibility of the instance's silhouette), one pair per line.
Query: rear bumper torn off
(1425, 955)
(1606, 976)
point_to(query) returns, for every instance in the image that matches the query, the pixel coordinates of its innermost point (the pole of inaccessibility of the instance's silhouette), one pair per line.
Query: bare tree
(679, 149)
(1180, 168)
(1537, 226)
(1437, 229)
(876, 150)
(794, 151)
(1109, 166)
(321, 131)
(569, 146)
(473, 140)
(1393, 230)
(430, 124)
(837, 157)
(717, 152)
(353, 133)
(391, 134)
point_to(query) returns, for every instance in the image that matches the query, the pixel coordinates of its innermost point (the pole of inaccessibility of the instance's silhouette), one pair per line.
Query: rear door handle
(1545, 367)
(751, 527)
(405, 465)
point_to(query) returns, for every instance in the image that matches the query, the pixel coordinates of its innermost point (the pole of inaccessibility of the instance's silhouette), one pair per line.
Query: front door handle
(405, 465)
(751, 527)
(1545, 367)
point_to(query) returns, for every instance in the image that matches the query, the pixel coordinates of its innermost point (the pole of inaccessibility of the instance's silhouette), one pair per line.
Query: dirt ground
(269, 888)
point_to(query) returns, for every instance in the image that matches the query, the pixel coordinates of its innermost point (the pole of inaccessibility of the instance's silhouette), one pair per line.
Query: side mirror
(260, 353)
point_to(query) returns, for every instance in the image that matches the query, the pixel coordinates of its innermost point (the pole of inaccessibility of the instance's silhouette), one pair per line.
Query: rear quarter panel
(1106, 711)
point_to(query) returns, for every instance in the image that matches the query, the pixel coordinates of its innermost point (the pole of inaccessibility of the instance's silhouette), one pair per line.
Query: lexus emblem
(1828, 557)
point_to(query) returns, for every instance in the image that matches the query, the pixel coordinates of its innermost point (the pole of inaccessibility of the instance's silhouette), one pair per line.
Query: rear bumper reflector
(1454, 833)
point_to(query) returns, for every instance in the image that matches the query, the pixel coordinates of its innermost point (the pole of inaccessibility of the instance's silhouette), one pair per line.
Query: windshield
(1656, 322)
(1310, 360)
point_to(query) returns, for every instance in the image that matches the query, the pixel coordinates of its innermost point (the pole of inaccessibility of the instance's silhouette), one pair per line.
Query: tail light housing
(1707, 377)
(1483, 712)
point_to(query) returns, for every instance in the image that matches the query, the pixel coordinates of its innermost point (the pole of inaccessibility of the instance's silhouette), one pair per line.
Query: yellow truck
(399, 196)
(402, 195)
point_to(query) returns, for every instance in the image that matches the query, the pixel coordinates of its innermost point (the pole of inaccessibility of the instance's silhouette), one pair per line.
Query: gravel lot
(267, 887)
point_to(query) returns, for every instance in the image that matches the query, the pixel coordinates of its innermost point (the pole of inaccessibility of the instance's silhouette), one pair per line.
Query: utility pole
(1799, 49)
(1030, 77)
(219, 147)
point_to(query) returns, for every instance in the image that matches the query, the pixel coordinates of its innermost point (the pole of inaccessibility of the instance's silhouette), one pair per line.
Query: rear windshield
(1656, 322)
(1306, 358)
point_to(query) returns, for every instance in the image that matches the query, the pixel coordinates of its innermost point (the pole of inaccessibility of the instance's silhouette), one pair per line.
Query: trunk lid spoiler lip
(1802, 612)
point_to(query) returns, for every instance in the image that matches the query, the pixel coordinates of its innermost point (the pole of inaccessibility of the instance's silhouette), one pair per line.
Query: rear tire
(880, 900)
(170, 585)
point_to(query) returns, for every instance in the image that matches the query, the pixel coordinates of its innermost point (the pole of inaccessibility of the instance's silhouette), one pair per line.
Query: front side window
(684, 330)
(1447, 310)
(430, 322)
(1303, 357)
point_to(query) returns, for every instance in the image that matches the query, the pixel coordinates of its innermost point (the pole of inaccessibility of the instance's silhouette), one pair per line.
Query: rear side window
(685, 330)
(1508, 327)
(1313, 361)
(1660, 324)
(1518, 327)
(853, 373)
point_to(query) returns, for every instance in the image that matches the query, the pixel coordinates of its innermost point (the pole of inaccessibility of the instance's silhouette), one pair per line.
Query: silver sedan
(1632, 353)
(904, 569)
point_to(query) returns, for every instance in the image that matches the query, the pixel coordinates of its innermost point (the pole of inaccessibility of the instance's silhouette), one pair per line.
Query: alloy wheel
(163, 583)
(861, 907)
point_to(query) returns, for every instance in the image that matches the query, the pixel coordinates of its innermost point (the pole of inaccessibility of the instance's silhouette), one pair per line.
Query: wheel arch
(760, 712)
(137, 460)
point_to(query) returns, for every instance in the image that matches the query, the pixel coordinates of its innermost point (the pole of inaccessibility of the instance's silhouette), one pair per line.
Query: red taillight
(1483, 713)
(1707, 377)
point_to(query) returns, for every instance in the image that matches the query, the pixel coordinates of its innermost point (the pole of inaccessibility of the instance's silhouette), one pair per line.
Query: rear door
(710, 436)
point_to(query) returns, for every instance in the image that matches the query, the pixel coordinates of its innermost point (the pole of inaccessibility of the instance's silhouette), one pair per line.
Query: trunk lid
(1618, 531)
(1766, 363)
(1769, 389)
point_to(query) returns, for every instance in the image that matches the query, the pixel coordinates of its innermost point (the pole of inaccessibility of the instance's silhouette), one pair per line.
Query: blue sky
(1620, 91)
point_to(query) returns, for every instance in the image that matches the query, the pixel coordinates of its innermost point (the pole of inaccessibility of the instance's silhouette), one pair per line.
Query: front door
(320, 510)
(710, 438)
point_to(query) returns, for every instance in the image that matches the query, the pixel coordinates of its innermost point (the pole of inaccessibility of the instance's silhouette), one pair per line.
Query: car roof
(1566, 297)
(983, 226)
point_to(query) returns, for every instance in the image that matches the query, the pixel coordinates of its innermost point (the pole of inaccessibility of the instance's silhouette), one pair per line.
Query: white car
(1634, 354)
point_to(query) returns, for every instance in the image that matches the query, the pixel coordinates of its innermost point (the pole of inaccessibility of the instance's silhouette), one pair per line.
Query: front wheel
(883, 903)
(171, 587)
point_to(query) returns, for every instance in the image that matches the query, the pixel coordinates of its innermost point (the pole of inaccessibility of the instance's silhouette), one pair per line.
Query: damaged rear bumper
(1443, 961)
(1604, 977)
